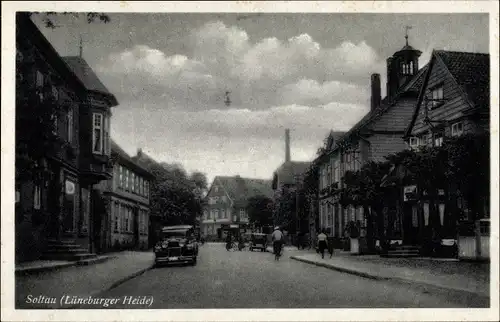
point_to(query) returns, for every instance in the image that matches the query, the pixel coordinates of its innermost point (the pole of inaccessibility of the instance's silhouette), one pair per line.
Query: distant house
(126, 224)
(55, 211)
(379, 133)
(225, 205)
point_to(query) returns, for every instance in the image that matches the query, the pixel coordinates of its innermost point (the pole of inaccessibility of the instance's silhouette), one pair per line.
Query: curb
(441, 288)
(85, 262)
(125, 279)
(340, 269)
(116, 284)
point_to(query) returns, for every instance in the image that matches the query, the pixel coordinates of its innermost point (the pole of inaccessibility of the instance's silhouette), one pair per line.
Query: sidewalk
(80, 280)
(473, 278)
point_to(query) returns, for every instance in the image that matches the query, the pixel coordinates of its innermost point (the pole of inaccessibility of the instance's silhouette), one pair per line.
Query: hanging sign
(426, 214)
(70, 187)
(410, 193)
(441, 213)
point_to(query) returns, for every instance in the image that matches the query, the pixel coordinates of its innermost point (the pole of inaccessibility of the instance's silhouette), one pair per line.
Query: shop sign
(410, 193)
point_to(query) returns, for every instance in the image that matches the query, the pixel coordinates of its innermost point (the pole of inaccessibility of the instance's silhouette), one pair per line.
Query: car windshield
(174, 234)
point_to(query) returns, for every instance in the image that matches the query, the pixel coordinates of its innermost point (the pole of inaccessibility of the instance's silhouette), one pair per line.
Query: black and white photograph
(266, 156)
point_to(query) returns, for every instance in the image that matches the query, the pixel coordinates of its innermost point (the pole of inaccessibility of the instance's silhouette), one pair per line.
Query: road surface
(223, 279)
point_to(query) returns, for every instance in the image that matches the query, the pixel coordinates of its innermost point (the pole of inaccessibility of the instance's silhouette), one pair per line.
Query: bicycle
(277, 252)
(230, 246)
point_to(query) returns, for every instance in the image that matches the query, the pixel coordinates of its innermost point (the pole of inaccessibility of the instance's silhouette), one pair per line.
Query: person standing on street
(322, 243)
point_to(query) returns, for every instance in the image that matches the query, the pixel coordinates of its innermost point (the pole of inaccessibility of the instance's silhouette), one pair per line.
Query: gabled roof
(85, 73)
(241, 189)
(413, 85)
(471, 71)
(120, 155)
(288, 171)
(27, 28)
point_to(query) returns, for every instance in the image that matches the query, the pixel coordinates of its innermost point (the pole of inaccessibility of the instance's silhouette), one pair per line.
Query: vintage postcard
(248, 161)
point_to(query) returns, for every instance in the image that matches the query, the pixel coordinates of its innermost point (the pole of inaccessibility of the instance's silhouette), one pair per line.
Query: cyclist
(277, 238)
(229, 241)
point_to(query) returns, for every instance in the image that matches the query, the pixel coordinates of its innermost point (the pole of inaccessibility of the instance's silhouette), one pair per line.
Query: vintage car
(258, 241)
(177, 245)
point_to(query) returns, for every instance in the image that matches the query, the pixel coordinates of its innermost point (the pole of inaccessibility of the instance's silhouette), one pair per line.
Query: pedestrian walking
(322, 243)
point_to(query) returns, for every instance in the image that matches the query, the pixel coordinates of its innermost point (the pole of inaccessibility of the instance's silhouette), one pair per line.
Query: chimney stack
(375, 91)
(287, 145)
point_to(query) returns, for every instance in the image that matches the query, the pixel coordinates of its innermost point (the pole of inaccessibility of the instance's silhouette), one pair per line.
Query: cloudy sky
(306, 72)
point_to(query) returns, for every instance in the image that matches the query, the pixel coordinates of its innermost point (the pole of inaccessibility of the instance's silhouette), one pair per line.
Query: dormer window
(413, 142)
(437, 96)
(457, 129)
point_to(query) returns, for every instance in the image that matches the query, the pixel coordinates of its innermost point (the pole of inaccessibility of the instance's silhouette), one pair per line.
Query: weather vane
(406, 33)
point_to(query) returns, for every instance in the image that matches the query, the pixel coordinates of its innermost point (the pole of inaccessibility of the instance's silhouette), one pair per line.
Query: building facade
(454, 101)
(225, 205)
(126, 224)
(379, 133)
(56, 208)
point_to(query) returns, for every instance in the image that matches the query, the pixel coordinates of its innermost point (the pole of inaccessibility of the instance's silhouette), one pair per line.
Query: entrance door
(69, 208)
(410, 223)
(136, 213)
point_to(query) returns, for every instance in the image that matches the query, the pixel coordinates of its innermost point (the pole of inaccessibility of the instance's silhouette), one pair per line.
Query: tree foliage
(176, 197)
(49, 18)
(260, 211)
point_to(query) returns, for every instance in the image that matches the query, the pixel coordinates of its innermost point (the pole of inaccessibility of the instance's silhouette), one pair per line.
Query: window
(137, 180)
(224, 198)
(37, 197)
(205, 214)
(120, 182)
(97, 133)
(55, 121)
(126, 179)
(132, 180)
(105, 136)
(457, 129)
(40, 81)
(438, 139)
(216, 214)
(216, 199)
(55, 93)
(216, 189)
(116, 224)
(223, 213)
(336, 171)
(69, 124)
(413, 142)
(437, 96)
(242, 214)
(146, 187)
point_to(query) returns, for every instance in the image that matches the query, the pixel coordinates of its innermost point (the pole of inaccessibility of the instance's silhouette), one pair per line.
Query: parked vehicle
(258, 241)
(177, 245)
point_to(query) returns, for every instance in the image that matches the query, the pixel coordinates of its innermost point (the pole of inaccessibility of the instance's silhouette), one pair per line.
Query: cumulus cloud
(258, 74)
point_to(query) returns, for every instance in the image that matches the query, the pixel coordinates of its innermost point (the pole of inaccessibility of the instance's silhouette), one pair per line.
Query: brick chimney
(287, 145)
(375, 92)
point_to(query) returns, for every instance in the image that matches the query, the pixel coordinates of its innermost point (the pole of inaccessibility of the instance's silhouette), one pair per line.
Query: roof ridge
(461, 52)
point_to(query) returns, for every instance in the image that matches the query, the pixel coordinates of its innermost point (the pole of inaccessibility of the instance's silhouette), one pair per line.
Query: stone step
(63, 247)
(68, 256)
(61, 242)
(66, 250)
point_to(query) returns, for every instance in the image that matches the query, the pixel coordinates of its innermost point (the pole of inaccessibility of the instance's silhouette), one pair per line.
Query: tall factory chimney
(287, 145)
